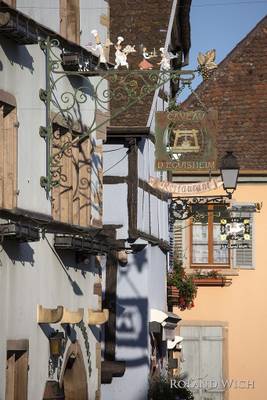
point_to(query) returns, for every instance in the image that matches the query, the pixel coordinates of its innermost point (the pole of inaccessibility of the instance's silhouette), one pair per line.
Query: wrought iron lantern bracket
(67, 92)
(182, 208)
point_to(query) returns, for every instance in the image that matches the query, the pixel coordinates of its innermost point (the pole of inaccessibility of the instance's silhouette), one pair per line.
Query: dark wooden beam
(110, 303)
(163, 244)
(132, 189)
(126, 134)
(155, 192)
(113, 180)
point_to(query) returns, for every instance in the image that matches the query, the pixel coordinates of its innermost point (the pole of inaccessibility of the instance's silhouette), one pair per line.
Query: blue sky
(221, 24)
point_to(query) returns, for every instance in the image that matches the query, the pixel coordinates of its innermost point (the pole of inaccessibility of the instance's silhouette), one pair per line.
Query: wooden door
(74, 379)
(202, 360)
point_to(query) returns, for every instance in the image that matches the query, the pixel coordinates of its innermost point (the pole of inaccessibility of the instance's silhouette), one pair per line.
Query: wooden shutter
(21, 376)
(8, 156)
(85, 182)
(70, 20)
(202, 356)
(71, 198)
(10, 378)
(17, 370)
(178, 240)
(243, 258)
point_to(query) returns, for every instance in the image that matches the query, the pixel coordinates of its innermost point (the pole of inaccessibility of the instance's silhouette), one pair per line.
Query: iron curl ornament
(182, 208)
(74, 97)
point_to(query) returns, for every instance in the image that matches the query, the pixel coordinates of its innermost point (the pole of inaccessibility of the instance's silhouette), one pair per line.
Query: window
(199, 245)
(207, 248)
(17, 369)
(8, 151)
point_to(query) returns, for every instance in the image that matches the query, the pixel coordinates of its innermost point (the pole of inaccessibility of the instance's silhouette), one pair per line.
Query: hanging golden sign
(186, 140)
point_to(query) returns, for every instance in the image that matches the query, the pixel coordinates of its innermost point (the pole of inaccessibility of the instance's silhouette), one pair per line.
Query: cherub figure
(100, 48)
(121, 54)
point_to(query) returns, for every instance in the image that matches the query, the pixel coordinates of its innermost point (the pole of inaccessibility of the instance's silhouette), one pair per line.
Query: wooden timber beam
(98, 317)
(49, 315)
(72, 317)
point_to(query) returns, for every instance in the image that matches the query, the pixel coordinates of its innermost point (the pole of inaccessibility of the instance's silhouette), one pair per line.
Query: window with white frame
(199, 240)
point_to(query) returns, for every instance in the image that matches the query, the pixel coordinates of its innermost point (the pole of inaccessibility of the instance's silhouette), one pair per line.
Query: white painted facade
(32, 273)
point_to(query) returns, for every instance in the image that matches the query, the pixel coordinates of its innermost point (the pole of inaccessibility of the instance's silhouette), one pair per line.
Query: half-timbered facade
(51, 240)
(135, 340)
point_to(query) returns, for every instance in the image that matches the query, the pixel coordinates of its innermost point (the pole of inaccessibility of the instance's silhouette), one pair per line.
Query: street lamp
(229, 172)
(183, 207)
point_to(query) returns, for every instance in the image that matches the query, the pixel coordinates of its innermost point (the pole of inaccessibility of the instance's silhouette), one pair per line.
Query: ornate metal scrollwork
(67, 92)
(182, 208)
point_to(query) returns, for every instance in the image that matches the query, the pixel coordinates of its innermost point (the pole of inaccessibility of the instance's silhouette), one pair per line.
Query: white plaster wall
(141, 285)
(22, 75)
(35, 276)
(115, 208)
(157, 269)
(115, 160)
(132, 346)
(152, 215)
(24, 284)
(90, 13)
(146, 161)
(143, 215)
(44, 12)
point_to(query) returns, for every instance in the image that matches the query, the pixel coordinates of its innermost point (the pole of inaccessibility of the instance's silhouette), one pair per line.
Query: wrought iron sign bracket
(67, 92)
(182, 208)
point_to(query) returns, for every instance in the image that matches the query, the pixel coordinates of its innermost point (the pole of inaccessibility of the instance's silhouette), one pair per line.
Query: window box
(19, 232)
(213, 281)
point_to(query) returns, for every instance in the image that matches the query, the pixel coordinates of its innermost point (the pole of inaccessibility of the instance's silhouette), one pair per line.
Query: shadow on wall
(17, 54)
(80, 262)
(19, 252)
(83, 84)
(75, 287)
(132, 328)
(138, 260)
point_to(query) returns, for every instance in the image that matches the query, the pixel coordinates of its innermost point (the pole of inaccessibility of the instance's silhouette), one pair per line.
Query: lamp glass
(229, 178)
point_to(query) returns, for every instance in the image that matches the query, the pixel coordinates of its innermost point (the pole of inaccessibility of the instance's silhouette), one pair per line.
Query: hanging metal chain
(82, 327)
(194, 93)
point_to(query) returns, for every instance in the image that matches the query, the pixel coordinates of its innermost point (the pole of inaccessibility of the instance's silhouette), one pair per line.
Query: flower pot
(172, 295)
